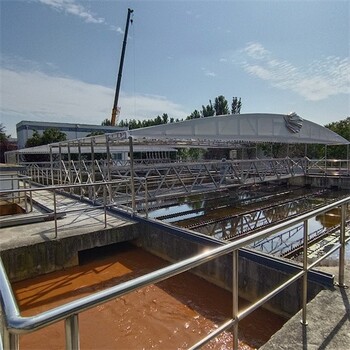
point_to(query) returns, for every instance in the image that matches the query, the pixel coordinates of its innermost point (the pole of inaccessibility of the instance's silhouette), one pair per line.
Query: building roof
(255, 128)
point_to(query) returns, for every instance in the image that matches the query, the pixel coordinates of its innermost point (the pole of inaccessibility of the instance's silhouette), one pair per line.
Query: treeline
(219, 107)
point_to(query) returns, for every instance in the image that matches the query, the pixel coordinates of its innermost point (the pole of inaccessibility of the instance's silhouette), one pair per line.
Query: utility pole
(115, 111)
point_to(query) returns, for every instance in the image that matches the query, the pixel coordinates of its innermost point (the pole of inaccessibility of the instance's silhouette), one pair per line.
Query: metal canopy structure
(226, 131)
(85, 149)
(236, 128)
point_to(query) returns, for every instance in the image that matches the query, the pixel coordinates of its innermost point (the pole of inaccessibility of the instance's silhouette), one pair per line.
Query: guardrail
(14, 324)
(103, 195)
(328, 167)
(11, 190)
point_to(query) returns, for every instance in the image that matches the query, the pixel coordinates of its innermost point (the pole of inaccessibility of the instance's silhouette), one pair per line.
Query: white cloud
(256, 50)
(317, 81)
(71, 7)
(208, 73)
(33, 95)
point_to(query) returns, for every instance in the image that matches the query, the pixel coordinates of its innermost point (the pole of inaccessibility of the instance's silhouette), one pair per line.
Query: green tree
(236, 105)
(35, 140)
(342, 128)
(208, 110)
(106, 122)
(194, 115)
(165, 118)
(221, 106)
(3, 136)
(50, 135)
(5, 144)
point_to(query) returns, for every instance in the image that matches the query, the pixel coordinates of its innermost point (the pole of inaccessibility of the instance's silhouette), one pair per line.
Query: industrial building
(25, 130)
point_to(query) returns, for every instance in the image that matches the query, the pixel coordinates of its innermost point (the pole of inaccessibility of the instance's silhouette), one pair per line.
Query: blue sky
(60, 58)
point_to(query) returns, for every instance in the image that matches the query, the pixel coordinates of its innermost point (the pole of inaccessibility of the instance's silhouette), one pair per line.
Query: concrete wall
(321, 181)
(36, 259)
(256, 278)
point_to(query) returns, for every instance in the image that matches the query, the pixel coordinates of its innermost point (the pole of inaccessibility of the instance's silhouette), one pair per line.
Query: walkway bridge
(166, 179)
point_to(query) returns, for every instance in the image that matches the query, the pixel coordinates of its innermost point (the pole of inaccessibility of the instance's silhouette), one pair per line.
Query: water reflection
(229, 214)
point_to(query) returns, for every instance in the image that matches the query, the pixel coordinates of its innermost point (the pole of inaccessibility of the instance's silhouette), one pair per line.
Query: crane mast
(115, 111)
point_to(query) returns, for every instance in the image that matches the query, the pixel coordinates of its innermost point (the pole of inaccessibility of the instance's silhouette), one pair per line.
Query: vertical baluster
(304, 301)
(72, 333)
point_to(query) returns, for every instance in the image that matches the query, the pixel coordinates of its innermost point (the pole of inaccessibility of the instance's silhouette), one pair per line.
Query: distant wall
(321, 181)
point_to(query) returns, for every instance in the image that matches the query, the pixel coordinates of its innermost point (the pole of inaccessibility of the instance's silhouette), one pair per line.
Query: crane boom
(115, 111)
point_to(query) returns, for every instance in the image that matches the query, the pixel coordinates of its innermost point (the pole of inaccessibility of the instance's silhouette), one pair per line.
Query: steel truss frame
(165, 179)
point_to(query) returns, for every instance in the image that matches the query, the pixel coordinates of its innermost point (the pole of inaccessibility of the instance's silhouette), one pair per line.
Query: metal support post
(55, 211)
(235, 297)
(11, 341)
(93, 168)
(109, 174)
(131, 150)
(342, 246)
(31, 200)
(325, 160)
(51, 165)
(105, 204)
(146, 198)
(70, 180)
(80, 173)
(72, 333)
(60, 160)
(304, 301)
(25, 195)
(348, 157)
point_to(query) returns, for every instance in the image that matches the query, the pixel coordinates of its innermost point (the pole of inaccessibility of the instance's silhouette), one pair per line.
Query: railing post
(54, 211)
(25, 196)
(342, 246)
(80, 172)
(131, 150)
(11, 341)
(51, 167)
(104, 204)
(304, 301)
(235, 297)
(31, 200)
(60, 160)
(146, 198)
(72, 333)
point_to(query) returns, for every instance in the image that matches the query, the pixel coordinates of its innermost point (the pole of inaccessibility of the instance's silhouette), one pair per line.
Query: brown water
(173, 314)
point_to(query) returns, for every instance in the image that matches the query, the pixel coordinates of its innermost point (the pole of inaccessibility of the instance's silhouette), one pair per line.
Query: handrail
(16, 324)
(57, 188)
(17, 193)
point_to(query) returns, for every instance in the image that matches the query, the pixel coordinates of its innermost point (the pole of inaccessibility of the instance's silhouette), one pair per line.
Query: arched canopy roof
(256, 128)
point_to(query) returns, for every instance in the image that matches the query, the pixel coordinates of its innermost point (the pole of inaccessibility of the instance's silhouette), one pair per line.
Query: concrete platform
(328, 317)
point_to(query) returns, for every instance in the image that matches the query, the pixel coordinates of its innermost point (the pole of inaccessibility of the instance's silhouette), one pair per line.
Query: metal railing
(328, 167)
(14, 324)
(102, 195)
(14, 188)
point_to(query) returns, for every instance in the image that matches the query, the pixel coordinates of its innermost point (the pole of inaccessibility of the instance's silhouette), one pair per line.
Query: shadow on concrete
(341, 322)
